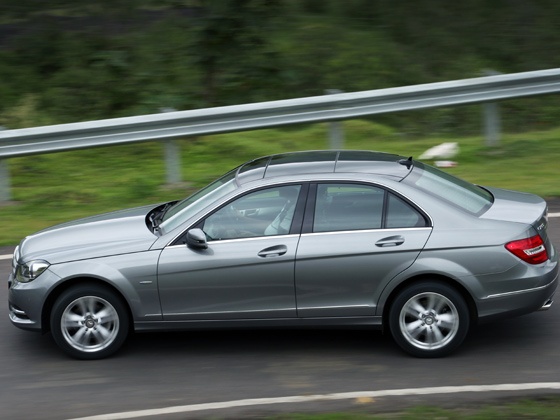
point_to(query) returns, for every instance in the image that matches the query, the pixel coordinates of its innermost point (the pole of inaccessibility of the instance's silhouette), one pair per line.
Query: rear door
(356, 238)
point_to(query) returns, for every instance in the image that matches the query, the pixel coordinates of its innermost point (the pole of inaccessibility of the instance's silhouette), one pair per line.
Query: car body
(305, 239)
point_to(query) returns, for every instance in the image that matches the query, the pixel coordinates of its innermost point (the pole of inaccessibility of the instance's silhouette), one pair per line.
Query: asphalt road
(160, 370)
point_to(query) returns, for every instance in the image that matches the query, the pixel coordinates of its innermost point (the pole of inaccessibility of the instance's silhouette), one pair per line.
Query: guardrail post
(172, 161)
(5, 195)
(172, 154)
(492, 123)
(336, 132)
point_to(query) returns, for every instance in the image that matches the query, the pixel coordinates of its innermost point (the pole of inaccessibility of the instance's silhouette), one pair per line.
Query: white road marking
(553, 214)
(326, 397)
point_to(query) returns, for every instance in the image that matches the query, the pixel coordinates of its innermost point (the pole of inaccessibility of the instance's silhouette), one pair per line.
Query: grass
(49, 189)
(538, 408)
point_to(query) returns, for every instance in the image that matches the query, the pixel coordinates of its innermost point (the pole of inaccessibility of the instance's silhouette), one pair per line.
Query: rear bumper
(519, 302)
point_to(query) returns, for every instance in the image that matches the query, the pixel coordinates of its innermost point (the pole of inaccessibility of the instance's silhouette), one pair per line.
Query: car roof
(324, 162)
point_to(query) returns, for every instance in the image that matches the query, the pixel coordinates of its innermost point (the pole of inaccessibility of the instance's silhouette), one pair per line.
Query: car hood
(114, 233)
(514, 206)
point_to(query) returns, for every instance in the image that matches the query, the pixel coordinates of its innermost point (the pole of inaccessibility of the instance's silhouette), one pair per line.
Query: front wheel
(429, 319)
(89, 322)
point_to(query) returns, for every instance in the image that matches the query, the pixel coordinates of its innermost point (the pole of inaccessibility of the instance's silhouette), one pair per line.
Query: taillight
(530, 250)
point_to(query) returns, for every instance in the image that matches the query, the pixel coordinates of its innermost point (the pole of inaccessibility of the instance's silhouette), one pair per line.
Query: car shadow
(256, 341)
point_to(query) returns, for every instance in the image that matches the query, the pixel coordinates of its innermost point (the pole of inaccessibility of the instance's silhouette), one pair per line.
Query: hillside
(108, 59)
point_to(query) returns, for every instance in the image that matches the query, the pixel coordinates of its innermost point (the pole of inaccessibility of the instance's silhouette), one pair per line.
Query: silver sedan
(325, 238)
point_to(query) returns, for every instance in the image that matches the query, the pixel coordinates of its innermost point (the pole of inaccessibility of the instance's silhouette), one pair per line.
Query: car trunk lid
(519, 207)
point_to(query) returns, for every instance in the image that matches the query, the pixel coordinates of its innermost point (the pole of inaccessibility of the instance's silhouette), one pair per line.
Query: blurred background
(65, 61)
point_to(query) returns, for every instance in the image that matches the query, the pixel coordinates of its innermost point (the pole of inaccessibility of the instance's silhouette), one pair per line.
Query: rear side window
(400, 214)
(349, 206)
(455, 191)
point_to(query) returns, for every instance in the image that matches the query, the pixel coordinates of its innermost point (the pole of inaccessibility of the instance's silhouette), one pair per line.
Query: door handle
(390, 241)
(273, 251)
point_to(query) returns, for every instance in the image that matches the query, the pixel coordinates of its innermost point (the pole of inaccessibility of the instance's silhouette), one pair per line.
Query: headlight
(30, 270)
(15, 259)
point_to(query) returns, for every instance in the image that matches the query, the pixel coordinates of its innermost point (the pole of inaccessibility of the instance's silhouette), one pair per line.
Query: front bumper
(26, 301)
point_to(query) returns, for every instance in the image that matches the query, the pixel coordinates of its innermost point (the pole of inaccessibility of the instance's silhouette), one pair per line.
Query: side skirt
(326, 322)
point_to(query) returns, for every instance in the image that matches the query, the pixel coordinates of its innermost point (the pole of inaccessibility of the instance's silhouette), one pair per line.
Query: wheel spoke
(437, 336)
(72, 320)
(102, 334)
(106, 315)
(414, 308)
(79, 336)
(74, 317)
(447, 320)
(432, 301)
(81, 304)
(414, 329)
(90, 304)
(439, 305)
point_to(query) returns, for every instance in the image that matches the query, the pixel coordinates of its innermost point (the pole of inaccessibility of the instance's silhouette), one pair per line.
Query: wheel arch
(79, 281)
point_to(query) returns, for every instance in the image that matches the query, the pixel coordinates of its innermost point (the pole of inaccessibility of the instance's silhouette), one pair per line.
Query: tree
(231, 42)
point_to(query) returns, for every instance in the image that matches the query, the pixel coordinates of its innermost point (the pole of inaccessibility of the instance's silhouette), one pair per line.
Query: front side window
(261, 213)
(199, 200)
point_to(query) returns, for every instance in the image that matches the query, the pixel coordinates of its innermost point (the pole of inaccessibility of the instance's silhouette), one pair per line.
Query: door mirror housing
(196, 239)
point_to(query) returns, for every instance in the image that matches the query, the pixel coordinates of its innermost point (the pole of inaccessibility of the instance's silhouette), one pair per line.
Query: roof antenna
(406, 162)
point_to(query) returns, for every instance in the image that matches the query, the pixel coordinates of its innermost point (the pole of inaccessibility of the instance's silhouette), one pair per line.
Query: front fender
(133, 275)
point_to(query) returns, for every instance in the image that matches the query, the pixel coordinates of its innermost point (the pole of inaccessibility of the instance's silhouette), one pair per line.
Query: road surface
(175, 369)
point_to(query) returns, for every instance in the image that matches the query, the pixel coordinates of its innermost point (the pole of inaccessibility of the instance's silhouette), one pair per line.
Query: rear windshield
(460, 193)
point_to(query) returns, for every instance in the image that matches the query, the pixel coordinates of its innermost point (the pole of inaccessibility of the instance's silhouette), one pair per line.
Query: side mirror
(196, 239)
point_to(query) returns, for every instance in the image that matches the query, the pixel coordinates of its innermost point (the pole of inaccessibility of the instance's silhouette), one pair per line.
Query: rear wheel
(89, 322)
(429, 319)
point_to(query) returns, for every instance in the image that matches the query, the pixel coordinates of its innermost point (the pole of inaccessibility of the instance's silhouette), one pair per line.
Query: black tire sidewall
(435, 287)
(71, 295)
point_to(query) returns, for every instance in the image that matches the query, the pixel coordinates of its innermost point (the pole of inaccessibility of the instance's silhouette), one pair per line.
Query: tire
(429, 319)
(89, 322)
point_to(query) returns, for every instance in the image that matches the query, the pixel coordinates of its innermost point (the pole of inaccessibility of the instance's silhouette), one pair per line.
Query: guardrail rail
(333, 107)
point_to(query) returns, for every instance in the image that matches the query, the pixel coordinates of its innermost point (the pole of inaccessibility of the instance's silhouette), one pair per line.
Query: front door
(247, 271)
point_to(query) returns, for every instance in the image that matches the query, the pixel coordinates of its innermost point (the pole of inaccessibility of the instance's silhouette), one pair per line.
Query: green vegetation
(50, 189)
(539, 408)
(72, 61)
(69, 61)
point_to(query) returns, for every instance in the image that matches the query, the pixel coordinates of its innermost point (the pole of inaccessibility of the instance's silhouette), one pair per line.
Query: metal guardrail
(340, 106)
(172, 125)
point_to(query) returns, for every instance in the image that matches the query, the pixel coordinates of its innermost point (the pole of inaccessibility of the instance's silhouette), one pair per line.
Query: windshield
(460, 193)
(196, 202)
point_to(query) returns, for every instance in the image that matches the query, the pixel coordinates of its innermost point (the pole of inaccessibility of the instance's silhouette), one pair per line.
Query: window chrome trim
(227, 241)
(335, 232)
(301, 179)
